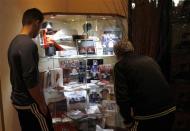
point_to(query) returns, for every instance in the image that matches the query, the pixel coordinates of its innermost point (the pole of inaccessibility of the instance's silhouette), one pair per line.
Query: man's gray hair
(122, 47)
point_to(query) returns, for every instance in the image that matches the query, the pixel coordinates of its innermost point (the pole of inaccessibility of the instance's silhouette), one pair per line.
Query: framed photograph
(86, 46)
(109, 39)
(76, 100)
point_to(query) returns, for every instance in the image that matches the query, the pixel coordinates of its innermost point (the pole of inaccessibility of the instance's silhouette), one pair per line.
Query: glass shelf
(77, 57)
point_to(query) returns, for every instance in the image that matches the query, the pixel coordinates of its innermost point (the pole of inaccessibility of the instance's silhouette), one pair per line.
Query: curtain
(149, 30)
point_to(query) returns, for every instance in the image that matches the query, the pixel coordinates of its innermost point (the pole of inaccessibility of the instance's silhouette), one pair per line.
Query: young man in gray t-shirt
(27, 96)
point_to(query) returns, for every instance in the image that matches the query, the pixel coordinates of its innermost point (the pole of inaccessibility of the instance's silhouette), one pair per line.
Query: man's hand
(132, 126)
(43, 109)
(37, 94)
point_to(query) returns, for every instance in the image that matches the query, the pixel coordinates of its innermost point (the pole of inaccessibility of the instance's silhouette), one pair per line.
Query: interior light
(176, 2)
(49, 26)
(133, 5)
(52, 16)
(96, 26)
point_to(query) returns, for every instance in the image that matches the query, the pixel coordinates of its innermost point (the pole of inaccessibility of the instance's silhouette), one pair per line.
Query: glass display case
(76, 63)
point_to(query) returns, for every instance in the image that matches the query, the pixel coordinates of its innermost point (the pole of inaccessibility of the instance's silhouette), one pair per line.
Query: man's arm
(30, 74)
(122, 94)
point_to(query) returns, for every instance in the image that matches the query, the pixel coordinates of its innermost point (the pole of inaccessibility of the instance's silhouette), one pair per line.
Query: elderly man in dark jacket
(142, 93)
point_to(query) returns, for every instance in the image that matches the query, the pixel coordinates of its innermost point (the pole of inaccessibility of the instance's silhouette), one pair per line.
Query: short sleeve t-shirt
(24, 74)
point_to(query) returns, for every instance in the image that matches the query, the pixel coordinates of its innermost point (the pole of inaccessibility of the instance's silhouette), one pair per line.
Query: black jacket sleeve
(122, 93)
(29, 62)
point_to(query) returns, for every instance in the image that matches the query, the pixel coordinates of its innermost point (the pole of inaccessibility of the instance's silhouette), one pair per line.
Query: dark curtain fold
(164, 50)
(149, 30)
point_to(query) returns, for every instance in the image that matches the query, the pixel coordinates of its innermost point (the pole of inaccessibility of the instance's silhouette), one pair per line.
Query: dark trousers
(163, 123)
(31, 119)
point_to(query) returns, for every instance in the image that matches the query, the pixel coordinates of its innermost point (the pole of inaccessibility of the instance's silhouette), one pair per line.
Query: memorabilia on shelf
(109, 39)
(76, 100)
(105, 71)
(110, 109)
(94, 97)
(93, 68)
(104, 94)
(86, 47)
